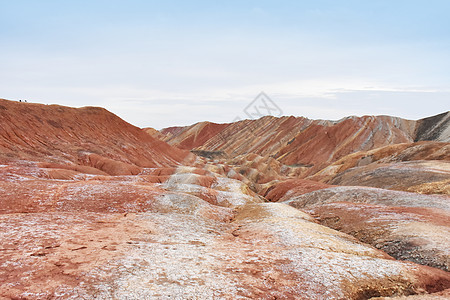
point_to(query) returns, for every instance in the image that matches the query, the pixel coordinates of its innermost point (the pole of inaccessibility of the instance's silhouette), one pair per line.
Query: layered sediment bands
(193, 136)
(345, 137)
(405, 225)
(264, 136)
(288, 189)
(295, 141)
(30, 189)
(401, 176)
(433, 151)
(270, 250)
(155, 133)
(312, 145)
(257, 169)
(367, 151)
(420, 235)
(435, 128)
(92, 207)
(367, 195)
(180, 231)
(343, 271)
(89, 135)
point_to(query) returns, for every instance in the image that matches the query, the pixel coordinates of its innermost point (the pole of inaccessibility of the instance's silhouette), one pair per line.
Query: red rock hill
(298, 141)
(88, 136)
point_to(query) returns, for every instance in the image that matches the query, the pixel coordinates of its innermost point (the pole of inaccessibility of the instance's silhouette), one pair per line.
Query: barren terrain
(92, 207)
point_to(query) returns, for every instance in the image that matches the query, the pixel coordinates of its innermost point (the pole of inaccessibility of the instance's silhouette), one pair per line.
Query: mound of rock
(88, 136)
(92, 207)
(401, 176)
(407, 226)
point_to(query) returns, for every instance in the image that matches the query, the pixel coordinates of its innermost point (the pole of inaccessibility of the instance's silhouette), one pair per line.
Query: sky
(166, 63)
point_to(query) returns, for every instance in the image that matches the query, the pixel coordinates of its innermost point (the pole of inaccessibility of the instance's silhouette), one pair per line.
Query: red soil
(88, 136)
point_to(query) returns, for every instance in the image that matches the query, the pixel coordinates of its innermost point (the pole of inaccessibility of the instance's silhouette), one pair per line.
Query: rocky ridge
(92, 207)
(75, 138)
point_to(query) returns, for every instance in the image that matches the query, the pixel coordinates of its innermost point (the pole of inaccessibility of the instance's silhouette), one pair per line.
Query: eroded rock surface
(162, 255)
(356, 194)
(92, 207)
(407, 226)
(421, 235)
(288, 189)
(295, 141)
(410, 163)
(401, 176)
(88, 136)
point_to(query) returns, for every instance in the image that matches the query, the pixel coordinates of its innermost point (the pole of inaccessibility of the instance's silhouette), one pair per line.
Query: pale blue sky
(163, 63)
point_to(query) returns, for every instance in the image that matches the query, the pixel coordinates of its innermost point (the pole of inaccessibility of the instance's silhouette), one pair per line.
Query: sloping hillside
(92, 207)
(298, 141)
(192, 136)
(436, 128)
(89, 136)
